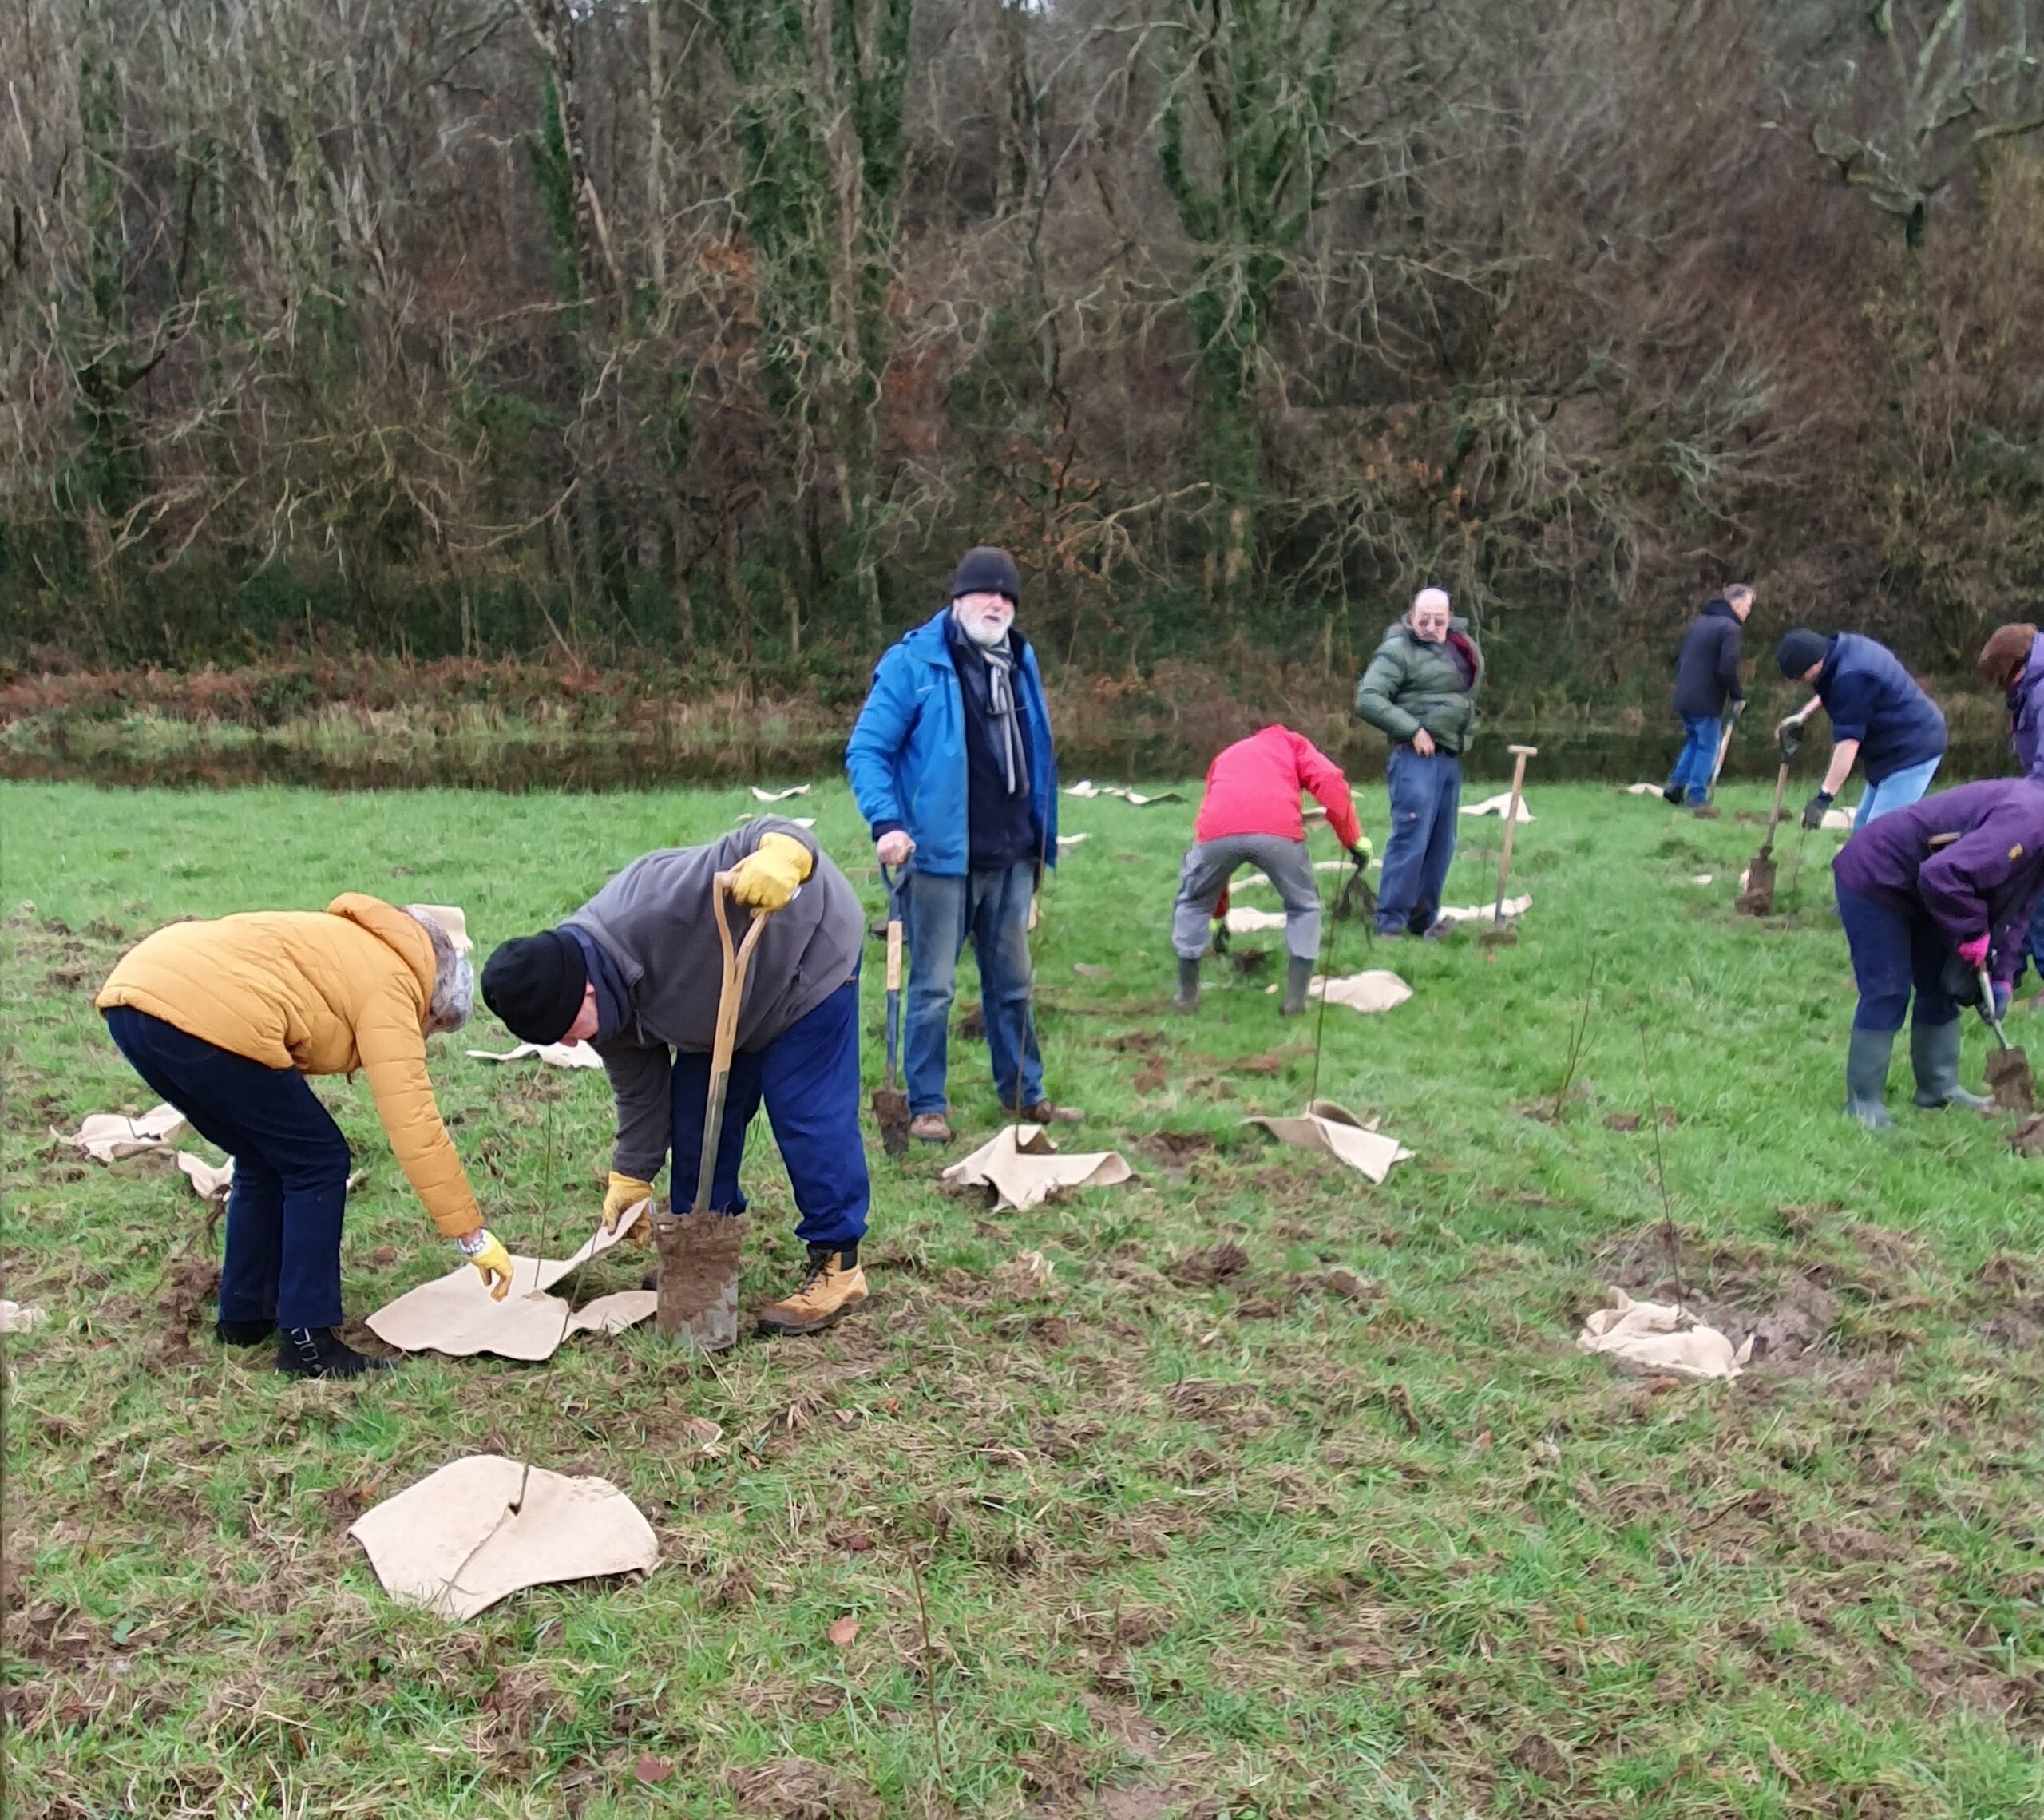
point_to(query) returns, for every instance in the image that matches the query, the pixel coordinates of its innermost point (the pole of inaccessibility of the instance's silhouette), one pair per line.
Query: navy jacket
(1990, 878)
(1707, 671)
(1871, 698)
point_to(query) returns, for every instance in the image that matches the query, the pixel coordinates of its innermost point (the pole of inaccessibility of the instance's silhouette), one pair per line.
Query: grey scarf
(1003, 722)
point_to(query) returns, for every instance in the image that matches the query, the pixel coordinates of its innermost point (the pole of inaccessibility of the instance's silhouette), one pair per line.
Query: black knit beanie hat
(1799, 649)
(535, 983)
(988, 570)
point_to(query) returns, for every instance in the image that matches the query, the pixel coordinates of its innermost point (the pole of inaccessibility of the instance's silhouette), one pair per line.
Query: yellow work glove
(625, 1193)
(1363, 850)
(485, 1251)
(766, 877)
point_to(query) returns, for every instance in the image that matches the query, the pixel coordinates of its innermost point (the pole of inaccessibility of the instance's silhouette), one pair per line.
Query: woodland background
(702, 335)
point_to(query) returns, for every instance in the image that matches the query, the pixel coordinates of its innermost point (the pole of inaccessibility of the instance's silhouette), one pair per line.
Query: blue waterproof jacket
(1871, 698)
(906, 756)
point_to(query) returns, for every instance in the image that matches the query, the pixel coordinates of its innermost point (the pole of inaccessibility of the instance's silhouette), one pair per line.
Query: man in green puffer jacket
(1420, 691)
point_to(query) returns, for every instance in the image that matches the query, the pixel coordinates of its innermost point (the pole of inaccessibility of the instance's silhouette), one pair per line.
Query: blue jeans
(1892, 955)
(1426, 794)
(1897, 790)
(993, 908)
(1698, 757)
(808, 1077)
(290, 1169)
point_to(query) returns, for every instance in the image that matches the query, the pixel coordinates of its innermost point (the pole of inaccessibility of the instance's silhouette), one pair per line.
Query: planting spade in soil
(700, 1251)
(1502, 934)
(890, 1104)
(1707, 811)
(1758, 899)
(2009, 1078)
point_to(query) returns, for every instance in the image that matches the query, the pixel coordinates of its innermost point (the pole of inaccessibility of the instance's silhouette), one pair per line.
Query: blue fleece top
(1871, 698)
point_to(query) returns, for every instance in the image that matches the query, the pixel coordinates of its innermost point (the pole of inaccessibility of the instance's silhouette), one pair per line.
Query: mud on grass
(1283, 1495)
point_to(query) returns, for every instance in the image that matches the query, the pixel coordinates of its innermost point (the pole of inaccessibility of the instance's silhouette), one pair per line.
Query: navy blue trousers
(1426, 794)
(290, 1169)
(808, 1077)
(1892, 955)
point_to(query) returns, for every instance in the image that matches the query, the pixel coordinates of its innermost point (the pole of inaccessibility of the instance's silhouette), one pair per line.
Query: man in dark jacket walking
(1420, 691)
(635, 974)
(1931, 896)
(1706, 685)
(950, 761)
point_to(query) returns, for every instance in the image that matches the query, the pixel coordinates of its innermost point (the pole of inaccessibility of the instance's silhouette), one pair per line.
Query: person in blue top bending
(1880, 719)
(950, 763)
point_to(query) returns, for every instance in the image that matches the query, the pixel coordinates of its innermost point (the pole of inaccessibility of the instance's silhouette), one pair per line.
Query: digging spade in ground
(701, 1251)
(890, 1104)
(2009, 1078)
(1502, 934)
(1758, 899)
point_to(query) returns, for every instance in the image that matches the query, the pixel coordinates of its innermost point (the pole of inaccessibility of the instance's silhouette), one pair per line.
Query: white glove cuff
(472, 1245)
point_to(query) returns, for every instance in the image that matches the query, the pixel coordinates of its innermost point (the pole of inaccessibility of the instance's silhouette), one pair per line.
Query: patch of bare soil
(190, 1283)
(1213, 1263)
(1175, 1147)
(1736, 1291)
(973, 1024)
(794, 1788)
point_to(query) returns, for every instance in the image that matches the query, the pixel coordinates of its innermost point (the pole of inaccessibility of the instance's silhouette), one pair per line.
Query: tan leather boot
(827, 1293)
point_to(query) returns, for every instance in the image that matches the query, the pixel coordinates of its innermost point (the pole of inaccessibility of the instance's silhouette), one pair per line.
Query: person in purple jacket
(1880, 720)
(2012, 661)
(1929, 895)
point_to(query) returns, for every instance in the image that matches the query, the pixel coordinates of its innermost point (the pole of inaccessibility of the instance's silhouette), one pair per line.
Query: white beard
(986, 632)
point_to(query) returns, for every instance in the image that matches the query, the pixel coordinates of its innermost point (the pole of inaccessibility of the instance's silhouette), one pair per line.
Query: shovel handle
(1520, 754)
(730, 997)
(1774, 813)
(893, 931)
(1988, 1007)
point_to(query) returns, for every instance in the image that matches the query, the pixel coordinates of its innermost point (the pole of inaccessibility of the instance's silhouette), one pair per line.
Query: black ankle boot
(318, 1352)
(243, 1332)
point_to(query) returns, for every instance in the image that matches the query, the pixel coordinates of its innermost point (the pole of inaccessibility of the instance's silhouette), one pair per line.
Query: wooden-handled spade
(701, 1251)
(1757, 898)
(2009, 1078)
(1502, 934)
(890, 1104)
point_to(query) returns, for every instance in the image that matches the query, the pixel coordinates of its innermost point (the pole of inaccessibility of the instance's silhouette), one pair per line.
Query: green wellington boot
(1934, 1053)
(1866, 1076)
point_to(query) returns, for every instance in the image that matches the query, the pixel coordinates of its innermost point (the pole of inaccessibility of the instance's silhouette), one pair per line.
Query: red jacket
(1252, 788)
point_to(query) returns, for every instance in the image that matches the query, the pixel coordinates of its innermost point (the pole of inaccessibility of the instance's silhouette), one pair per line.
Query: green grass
(1249, 1547)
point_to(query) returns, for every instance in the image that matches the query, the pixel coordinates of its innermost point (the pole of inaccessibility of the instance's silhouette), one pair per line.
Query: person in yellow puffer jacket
(225, 1019)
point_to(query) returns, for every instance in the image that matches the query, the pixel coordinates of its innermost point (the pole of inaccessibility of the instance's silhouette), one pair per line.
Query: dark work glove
(1813, 809)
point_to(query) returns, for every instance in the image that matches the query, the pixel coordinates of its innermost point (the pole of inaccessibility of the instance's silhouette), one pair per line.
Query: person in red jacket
(1250, 816)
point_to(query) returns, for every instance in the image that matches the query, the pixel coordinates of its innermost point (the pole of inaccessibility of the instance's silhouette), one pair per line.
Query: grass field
(1207, 1526)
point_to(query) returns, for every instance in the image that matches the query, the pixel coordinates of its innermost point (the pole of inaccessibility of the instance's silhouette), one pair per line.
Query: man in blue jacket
(950, 761)
(1706, 685)
(1880, 719)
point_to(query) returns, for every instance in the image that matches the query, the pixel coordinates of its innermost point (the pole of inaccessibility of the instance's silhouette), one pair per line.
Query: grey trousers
(1210, 864)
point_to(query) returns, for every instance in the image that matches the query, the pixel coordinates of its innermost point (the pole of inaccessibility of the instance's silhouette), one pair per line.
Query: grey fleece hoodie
(655, 921)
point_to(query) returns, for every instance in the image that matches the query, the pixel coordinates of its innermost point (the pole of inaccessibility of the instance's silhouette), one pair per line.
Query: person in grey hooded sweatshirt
(635, 974)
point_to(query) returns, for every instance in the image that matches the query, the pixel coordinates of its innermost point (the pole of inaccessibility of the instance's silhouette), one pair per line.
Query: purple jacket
(1990, 878)
(2027, 713)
